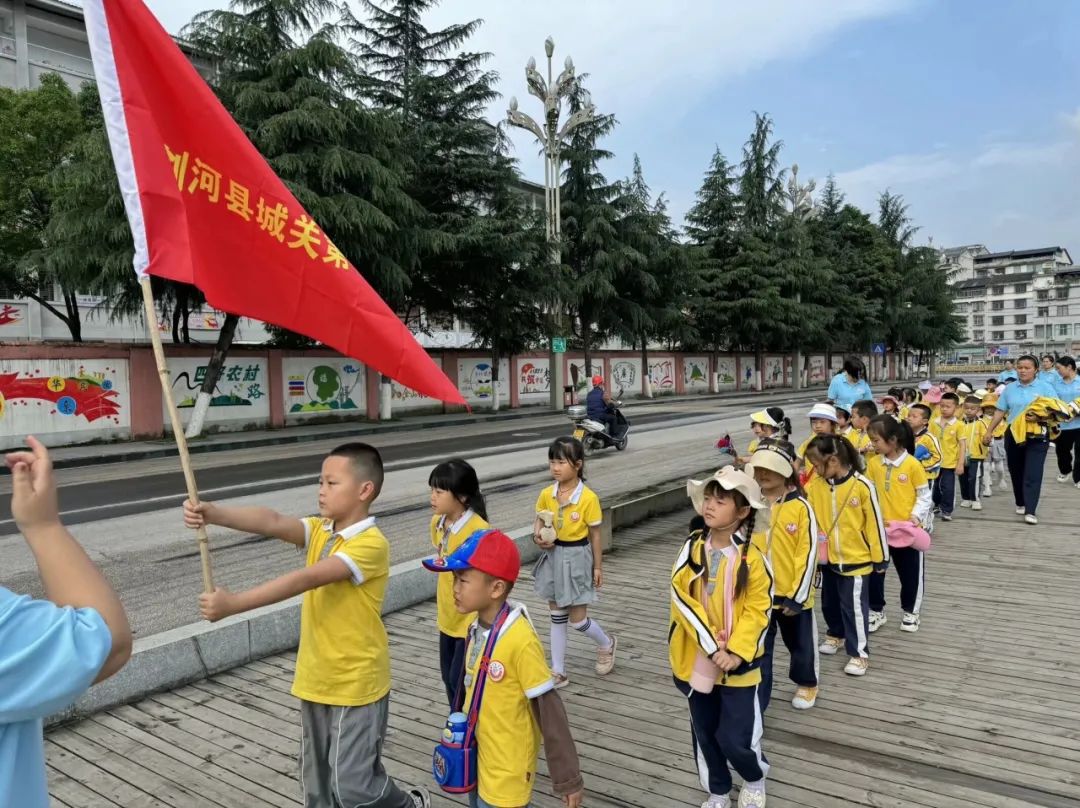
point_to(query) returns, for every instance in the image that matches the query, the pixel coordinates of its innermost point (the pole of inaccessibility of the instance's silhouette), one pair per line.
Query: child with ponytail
(767, 423)
(721, 602)
(459, 511)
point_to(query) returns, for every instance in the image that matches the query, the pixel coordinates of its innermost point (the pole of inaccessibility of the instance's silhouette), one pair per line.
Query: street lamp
(1043, 284)
(551, 93)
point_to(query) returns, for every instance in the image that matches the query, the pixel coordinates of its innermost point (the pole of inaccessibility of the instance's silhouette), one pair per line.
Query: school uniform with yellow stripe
(973, 432)
(902, 488)
(790, 543)
(948, 436)
(932, 464)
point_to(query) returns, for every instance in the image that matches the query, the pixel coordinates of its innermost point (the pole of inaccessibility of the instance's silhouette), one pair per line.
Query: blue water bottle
(458, 723)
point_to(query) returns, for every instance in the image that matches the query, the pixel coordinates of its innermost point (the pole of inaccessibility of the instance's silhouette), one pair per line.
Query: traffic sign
(558, 344)
(879, 348)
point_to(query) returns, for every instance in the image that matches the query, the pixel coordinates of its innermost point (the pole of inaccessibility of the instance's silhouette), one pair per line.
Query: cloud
(1022, 154)
(894, 171)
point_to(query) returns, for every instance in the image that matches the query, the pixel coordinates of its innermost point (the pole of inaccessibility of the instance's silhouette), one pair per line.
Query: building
(1015, 302)
(43, 36)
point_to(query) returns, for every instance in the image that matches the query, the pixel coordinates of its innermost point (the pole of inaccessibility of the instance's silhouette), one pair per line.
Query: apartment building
(1016, 301)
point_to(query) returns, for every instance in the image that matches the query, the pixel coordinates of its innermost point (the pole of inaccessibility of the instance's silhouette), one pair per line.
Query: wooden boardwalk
(980, 709)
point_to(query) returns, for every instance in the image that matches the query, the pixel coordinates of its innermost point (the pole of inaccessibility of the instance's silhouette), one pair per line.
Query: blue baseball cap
(488, 550)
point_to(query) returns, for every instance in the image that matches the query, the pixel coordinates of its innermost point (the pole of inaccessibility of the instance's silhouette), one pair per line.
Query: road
(127, 514)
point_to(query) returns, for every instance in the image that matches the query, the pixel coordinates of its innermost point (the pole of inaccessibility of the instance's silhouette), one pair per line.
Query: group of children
(857, 496)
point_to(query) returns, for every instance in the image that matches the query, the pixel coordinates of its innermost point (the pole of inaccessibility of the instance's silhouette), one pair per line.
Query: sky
(970, 109)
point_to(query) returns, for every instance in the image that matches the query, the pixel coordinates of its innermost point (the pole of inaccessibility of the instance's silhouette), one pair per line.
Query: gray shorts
(997, 450)
(565, 575)
(341, 757)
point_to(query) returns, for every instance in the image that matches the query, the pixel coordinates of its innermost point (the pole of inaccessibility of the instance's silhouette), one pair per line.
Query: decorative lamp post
(551, 92)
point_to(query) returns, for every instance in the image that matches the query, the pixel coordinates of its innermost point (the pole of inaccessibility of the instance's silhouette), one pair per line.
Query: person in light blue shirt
(1068, 442)
(1047, 372)
(1026, 460)
(849, 385)
(50, 650)
(1009, 374)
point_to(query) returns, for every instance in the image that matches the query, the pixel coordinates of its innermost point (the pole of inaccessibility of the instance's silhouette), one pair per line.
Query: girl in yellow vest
(789, 536)
(721, 600)
(459, 511)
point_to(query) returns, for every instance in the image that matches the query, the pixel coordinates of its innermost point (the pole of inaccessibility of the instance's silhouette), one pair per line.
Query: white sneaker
(910, 623)
(877, 620)
(1003, 485)
(420, 797)
(976, 506)
(717, 802)
(1063, 478)
(1077, 485)
(965, 504)
(1021, 510)
(856, 666)
(831, 646)
(988, 492)
(751, 798)
(1031, 519)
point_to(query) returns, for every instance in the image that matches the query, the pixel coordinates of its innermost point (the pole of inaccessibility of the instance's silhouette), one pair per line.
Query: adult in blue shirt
(1026, 460)
(50, 650)
(1068, 442)
(1047, 372)
(849, 385)
(1009, 374)
(598, 405)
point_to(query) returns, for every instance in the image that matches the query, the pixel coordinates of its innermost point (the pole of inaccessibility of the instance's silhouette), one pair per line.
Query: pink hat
(905, 534)
(932, 396)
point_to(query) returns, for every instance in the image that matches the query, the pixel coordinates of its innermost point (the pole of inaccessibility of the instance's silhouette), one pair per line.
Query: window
(997, 321)
(978, 306)
(1020, 288)
(976, 336)
(1020, 319)
(978, 320)
(1044, 311)
(1021, 335)
(997, 336)
(1038, 331)
(1042, 294)
(980, 273)
(1020, 304)
(1062, 311)
(997, 290)
(1061, 293)
(1063, 330)
(999, 270)
(997, 305)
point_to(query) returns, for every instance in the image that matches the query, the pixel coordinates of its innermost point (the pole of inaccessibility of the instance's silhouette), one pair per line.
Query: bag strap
(836, 521)
(481, 675)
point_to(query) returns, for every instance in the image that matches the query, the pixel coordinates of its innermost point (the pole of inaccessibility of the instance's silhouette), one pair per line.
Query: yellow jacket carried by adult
(693, 630)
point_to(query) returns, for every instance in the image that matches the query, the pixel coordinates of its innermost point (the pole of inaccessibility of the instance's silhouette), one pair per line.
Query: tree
(594, 252)
(711, 227)
(284, 78)
(38, 129)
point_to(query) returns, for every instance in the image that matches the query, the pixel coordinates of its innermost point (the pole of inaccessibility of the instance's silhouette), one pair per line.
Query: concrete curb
(194, 652)
(349, 429)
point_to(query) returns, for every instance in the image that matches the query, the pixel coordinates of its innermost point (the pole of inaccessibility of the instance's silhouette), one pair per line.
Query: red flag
(206, 209)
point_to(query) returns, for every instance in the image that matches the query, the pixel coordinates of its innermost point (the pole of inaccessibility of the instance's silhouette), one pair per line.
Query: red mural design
(91, 396)
(9, 314)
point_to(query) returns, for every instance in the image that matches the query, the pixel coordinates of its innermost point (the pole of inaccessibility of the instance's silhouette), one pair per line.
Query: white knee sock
(559, 619)
(591, 629)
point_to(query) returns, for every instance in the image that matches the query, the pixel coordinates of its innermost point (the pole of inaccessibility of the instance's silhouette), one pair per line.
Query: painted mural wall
(747, 368)
(695, 373)
(533, 380)
(662, 374)
(625, 374)
(321, 386)
(241, 398)
(62, 401)
(725, 372)
(773, 372)
(475, 380)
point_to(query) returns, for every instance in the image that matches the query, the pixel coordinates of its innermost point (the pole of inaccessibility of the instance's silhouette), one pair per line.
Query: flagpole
(177, 428)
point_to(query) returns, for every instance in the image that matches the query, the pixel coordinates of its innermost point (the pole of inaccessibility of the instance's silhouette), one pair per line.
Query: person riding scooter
(599, 405)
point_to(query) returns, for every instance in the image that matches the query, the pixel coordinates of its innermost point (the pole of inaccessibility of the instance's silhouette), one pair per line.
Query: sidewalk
(977, 710)
(93, 454)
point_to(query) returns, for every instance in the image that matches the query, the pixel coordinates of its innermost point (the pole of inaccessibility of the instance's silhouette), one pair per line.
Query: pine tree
(711, 227)
(594, 251)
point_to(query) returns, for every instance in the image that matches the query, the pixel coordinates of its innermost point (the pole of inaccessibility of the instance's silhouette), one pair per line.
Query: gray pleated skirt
(564, 575)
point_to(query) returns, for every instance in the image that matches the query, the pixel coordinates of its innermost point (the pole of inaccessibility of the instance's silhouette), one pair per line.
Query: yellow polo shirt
(507, 735)
(446, 538)
(572, 520)
(932, 464)
(344, 654)
(897, 486)
(974, 432)
(859, 439)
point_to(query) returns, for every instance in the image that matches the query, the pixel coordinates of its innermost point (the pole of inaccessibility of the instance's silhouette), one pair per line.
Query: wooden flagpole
(177, 428)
